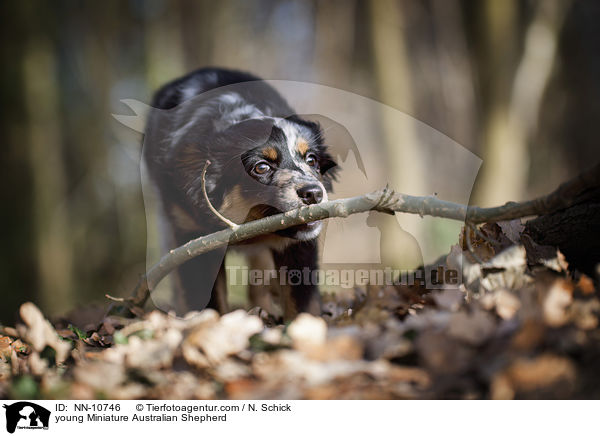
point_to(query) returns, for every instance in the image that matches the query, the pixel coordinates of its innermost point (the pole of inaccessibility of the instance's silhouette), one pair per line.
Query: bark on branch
(384, 200)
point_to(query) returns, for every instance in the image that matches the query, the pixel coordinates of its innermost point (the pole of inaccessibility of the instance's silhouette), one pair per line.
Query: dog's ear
(327, 166)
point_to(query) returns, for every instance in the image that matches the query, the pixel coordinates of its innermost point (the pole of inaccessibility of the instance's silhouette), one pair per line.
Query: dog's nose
(310, 194)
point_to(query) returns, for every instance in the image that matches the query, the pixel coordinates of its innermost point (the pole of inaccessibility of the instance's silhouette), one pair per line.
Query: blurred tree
(517, 70)
(395, 83)
(53, 257)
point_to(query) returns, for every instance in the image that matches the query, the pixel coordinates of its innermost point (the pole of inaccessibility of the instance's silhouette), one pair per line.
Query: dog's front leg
(299, 293)
(202, 282)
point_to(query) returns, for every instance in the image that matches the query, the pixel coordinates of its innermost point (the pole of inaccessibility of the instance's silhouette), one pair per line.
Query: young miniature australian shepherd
(265, 159)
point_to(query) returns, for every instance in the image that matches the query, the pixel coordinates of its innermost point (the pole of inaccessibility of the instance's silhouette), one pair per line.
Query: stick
(384, 200)
(230, 223)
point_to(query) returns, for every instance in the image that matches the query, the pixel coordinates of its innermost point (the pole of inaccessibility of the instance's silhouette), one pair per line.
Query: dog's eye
(262, 168)
(311, 160)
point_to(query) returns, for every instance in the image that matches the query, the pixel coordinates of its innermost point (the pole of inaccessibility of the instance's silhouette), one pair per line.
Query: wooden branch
(384, 200)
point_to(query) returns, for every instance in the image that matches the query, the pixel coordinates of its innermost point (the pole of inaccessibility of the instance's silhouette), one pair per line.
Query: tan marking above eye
(302, 146)
(270, 153)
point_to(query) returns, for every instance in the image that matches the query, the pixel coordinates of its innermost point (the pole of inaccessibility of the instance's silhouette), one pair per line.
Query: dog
(265, 159)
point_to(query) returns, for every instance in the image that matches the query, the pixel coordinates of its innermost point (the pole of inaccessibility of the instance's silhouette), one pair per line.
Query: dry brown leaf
(507, 304)
(343, 347)
(473, 328)
(556, 301)
(529, 336)
(39, 332)
(309, 335)
(480, 247)
(100, 376)
(550, 374)
(512, 229)
(449, 299)
(5, 371)
(586, 285)
(5, 348)
(153, 353)
(219, 339)
(442, 354)
(545, 255)
(585, 313)
(307, 332)
(505, 271)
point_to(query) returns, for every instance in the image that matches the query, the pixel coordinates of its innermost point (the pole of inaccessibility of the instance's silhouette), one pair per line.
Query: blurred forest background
(515, 82)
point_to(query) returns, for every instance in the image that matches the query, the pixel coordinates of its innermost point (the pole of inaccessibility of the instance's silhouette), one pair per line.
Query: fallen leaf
(545, 255)
(556, 301)
(229, 335)
(473, 328)
(5, 348)
(507, 304)
(449, 299)
(307, 331)
(39, 332)
(550, 375)
(586, 285)
(512, 229)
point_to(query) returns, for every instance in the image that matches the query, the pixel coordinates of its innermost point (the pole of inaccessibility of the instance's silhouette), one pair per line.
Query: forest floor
(521, 325)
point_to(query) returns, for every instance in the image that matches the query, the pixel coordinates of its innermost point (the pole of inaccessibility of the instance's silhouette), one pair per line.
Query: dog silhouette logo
(26, 415)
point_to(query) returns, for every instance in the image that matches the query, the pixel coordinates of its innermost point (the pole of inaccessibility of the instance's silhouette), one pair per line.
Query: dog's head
(284, 165)
(263, 160)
